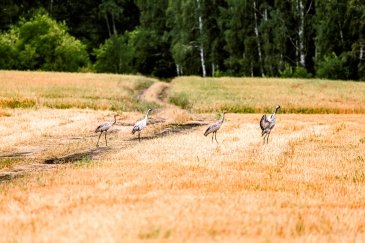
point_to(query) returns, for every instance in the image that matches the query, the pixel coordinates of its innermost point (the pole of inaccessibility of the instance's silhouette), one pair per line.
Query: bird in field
(215, 127)
(104, 128)
(267, 123)
(140, 125)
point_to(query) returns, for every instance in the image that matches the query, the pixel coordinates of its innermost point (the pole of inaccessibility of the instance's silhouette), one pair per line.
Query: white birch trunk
(300, 8)
(178, 70)
(201, 47)
(361, 55)
(114, 28)
(107, 24)
(340, 27)
(202, 60)
(258, 40)
(51, 7)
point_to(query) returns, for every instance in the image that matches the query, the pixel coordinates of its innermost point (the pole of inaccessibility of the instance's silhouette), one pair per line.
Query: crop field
(176, 185)
(70, 90)
(256, 95)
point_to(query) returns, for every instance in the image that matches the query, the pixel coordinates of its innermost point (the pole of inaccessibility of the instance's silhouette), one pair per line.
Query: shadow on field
(178, 128)
(14, 155)
(79, 156)
(20, 171)
(171, 129)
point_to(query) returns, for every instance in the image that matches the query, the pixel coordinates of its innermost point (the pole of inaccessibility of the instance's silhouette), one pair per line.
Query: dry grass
(72, 90)
(257, 95)
(307, 185)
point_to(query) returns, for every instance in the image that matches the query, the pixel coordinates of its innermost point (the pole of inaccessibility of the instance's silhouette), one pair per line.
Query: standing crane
(215, 127)
(140, 125)
(104, 128)
(267, 123)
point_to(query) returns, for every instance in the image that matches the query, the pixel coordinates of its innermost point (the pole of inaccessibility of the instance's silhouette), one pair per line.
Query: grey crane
(267, 123)
(215, 127)
(140, 125)
(104, 128)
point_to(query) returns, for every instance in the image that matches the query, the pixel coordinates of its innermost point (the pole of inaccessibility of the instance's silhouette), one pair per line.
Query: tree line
(166, 38)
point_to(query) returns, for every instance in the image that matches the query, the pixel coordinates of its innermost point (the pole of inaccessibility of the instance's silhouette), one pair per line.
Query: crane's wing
(264, 123)
(135, 128)
(99, 128)
(207, 131)
(212, 128)
(138, 126)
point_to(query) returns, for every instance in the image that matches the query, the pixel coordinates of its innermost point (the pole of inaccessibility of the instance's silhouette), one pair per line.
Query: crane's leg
(106, 142)
(216, 137)
(264, 135)
(139, 136)
(97, 144)
(267, 138)
(212, 136)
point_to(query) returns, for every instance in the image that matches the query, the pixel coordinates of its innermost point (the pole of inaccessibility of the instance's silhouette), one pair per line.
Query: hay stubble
(305, 185)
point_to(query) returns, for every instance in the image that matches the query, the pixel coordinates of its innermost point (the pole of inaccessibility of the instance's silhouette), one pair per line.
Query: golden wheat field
(256, 95)
(71, 90)
(306, 185)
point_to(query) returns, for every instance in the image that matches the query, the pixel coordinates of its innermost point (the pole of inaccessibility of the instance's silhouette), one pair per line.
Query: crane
(267, 123)
(140, 125)
(104, 128)
(215, 127)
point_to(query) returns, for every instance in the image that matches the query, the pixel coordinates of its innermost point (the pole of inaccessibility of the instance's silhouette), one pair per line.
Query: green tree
(12, 10)
(340, 38)
(214, 34)
(196, 43)
(8, 50)
(190, 37)
(241, 43)
(184, 34)
(42, 43)
(151, 40)
(115, 55)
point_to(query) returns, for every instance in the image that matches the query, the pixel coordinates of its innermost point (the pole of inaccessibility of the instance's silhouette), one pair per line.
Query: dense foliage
(41, 43)
(165, 38)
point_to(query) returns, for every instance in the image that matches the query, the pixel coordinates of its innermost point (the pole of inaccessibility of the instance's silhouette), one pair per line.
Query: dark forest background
(167, 38)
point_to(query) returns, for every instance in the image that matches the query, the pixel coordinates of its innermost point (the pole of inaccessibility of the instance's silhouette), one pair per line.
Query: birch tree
(201, 37)
(188, 35)
(258, 38)
(301, 53)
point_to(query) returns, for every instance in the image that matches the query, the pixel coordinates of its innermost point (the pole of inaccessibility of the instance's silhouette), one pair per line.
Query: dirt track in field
(49, 150)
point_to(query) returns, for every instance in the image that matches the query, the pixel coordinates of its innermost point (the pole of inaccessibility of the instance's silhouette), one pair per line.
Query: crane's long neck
(148, 112)
(222, 119)
(115, 120)
(273, 115)
(274, 112)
